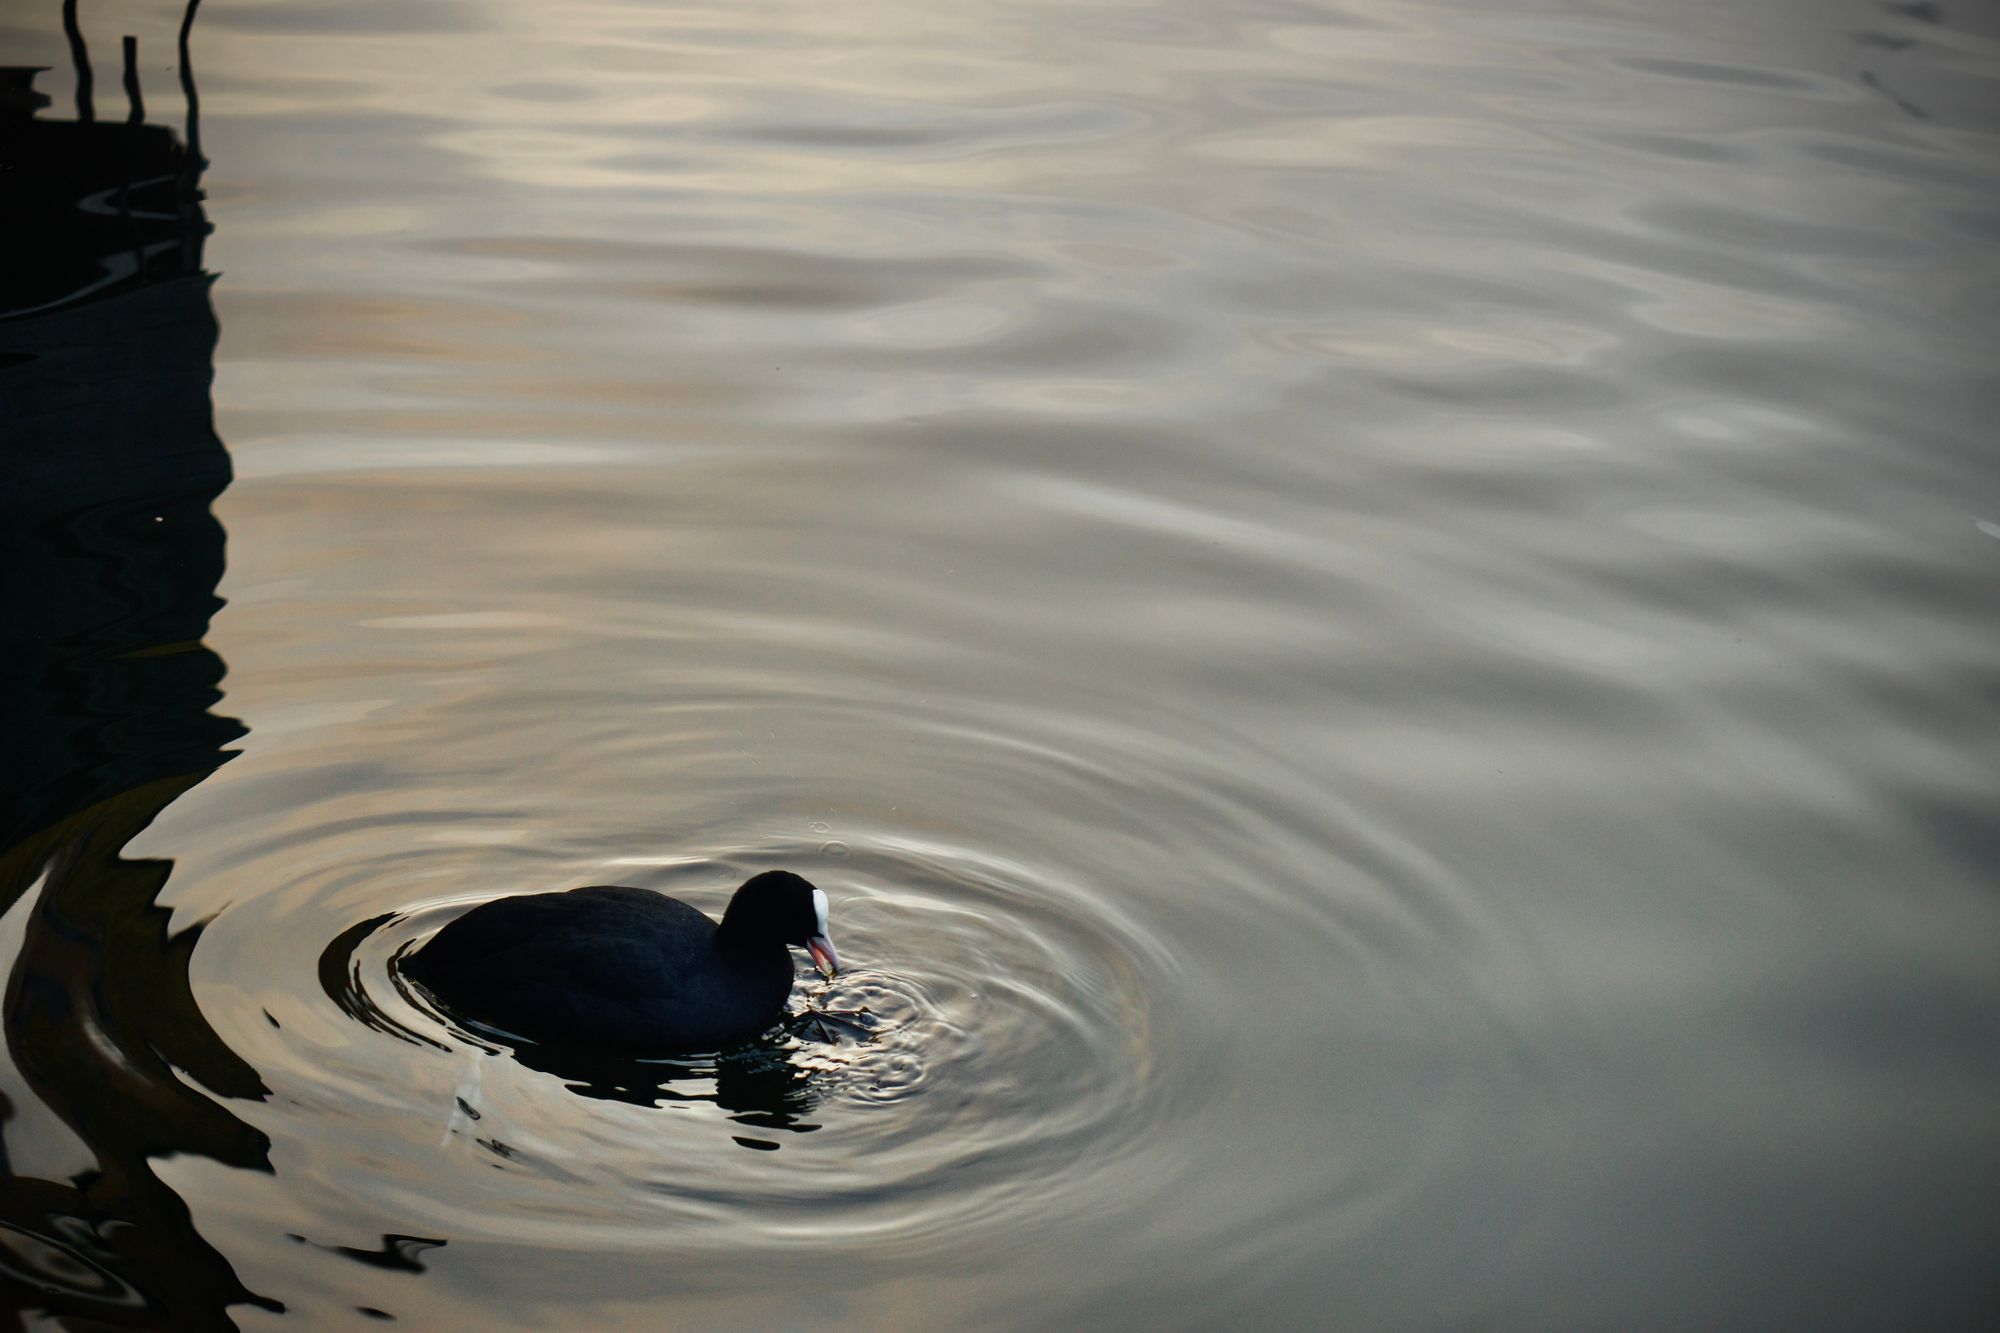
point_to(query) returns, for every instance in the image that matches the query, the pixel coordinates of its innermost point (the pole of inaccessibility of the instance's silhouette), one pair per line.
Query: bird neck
(735, 935)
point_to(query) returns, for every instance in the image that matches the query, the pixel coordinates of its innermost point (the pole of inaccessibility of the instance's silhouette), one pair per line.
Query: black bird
(613, 968)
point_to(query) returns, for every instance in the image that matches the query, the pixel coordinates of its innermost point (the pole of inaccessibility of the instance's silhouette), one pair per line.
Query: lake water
(1379, 618)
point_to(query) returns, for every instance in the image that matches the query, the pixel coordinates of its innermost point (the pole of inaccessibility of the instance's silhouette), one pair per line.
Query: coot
(628, 969)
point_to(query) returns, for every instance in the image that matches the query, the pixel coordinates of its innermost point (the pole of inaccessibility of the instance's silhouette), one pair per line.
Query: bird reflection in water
(109, 561)
(758, 1084)
(770, 1083)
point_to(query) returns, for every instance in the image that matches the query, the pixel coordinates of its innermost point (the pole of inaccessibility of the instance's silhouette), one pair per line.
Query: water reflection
(399, 1254)
(112, 558)
(755, 1085)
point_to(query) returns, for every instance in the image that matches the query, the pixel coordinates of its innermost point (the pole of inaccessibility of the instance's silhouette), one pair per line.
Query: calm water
(1379, 617)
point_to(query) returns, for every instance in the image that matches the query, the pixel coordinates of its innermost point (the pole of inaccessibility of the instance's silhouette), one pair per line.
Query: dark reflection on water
(399, 1254)
(757, 1085)
(110, 558)
(340, 977)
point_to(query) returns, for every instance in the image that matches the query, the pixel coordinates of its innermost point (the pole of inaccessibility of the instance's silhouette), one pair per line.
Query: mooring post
(136, 112)
(79, 56)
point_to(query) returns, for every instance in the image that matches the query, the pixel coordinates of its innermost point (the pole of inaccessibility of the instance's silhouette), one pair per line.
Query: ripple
(1035, 1035)
(1016, 1039)
(1738, 76)
(1363, 610)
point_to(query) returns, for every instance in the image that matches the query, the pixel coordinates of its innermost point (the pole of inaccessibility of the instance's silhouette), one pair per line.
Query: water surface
(1379, 618)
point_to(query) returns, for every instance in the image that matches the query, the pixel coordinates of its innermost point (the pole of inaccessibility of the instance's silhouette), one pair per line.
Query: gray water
(1378, 617)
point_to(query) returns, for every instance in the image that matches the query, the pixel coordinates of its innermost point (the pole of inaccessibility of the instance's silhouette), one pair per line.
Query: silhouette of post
(109, 561)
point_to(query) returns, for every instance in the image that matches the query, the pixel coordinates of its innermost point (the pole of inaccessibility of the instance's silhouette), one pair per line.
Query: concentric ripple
(1021, 1040)
(1016, 1040)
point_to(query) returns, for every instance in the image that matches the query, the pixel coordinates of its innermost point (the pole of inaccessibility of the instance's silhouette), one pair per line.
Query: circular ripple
(1011, 1050)
(1083, 1027)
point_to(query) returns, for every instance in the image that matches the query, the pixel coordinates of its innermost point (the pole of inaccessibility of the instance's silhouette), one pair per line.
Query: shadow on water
(109, 561)
(757, 1084)
(760, 1083)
